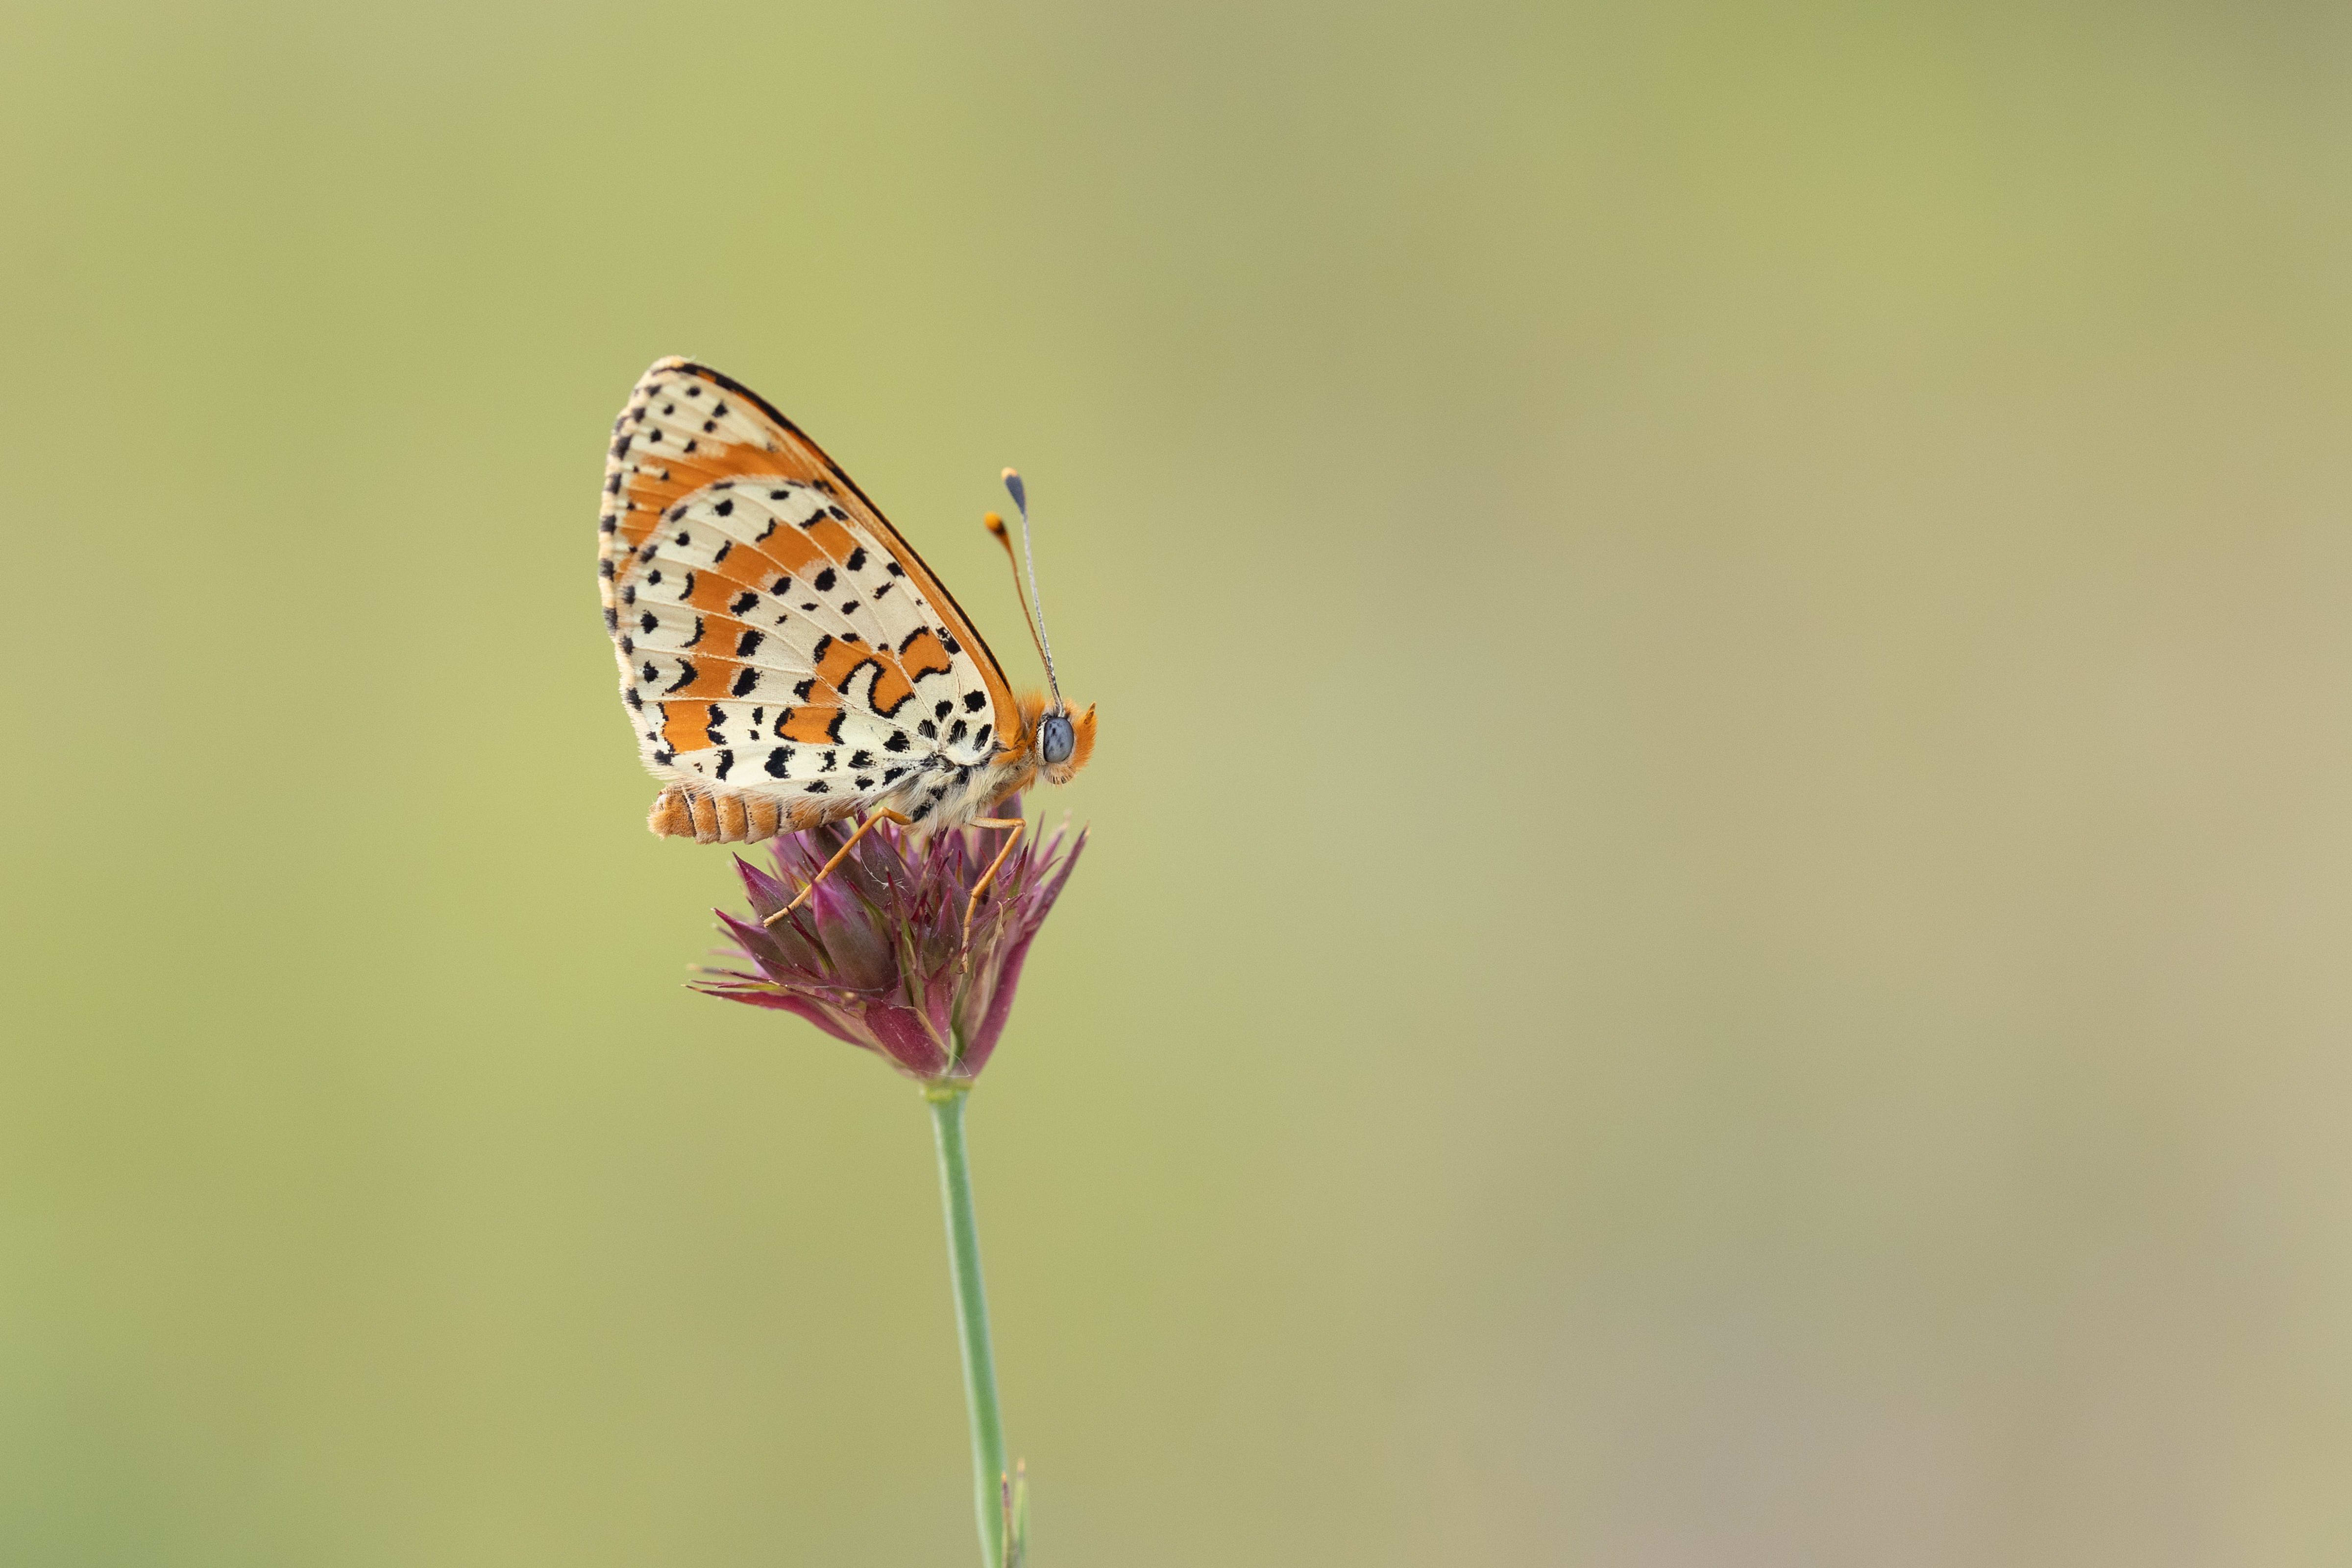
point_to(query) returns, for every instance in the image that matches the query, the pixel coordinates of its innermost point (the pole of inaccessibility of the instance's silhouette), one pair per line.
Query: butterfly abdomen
(737, 815)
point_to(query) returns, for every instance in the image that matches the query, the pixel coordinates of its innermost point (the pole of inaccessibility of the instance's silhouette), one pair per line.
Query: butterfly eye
(1055, 739)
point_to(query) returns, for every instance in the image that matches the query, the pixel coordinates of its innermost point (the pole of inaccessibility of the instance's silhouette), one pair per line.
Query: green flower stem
(971, 1320)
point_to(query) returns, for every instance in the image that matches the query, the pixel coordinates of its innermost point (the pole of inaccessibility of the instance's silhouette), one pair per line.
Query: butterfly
(786, 658)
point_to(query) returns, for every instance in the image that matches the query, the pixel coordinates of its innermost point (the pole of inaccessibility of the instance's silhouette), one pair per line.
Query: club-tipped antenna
(1032, 605)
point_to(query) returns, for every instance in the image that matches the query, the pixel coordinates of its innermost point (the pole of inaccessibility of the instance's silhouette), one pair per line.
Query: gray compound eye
(1055, 740)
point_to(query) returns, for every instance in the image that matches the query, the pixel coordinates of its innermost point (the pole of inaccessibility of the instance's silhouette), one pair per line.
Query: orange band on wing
(716, 590)
(891, 689)
(925, 655)
(685, 726)
(703, 680)
(811, 725)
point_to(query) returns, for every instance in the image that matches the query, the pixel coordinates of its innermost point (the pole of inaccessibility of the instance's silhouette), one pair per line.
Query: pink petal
(903, 1037)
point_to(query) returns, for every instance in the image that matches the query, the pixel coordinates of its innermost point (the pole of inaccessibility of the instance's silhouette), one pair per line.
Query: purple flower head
(877, 955)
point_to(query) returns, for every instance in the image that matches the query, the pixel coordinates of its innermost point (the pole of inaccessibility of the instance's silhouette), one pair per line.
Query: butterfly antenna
(1031, 604)
(996, 526)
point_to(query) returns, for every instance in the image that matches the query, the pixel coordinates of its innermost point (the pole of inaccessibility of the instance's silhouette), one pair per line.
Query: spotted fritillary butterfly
(786, 658)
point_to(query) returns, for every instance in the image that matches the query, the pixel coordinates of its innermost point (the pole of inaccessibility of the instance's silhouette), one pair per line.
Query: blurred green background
(1718, 925)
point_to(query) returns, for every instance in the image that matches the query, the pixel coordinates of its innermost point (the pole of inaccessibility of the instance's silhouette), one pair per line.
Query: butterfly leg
(874, 819)
(988, 878)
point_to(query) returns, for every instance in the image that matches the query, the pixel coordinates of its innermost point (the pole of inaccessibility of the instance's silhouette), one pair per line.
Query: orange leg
(881, 814)
(988, 879)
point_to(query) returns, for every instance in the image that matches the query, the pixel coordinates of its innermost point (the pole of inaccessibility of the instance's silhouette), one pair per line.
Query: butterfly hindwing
(776, 638)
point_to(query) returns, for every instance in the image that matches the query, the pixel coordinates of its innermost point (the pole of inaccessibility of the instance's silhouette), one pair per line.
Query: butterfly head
(1060, 740)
